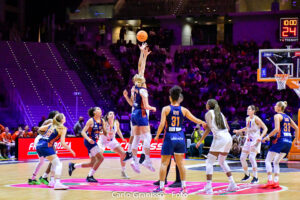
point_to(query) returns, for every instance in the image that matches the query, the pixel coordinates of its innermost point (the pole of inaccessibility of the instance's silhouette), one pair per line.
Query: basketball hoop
(281, 80)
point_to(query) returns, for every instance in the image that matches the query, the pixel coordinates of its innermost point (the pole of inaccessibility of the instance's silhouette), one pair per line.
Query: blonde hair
(282, 105)
(139, 80)
(57, 121)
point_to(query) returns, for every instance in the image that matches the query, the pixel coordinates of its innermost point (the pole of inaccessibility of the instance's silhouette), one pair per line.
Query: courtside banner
(26, 148)
(155, 148)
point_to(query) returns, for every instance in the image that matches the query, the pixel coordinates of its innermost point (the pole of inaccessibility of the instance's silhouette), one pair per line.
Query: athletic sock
(123, 169)
(78, 165)
(161, 184)
(230, 178)
(129, 148)
(92, 172)
(276, 179)
(45, 175)
(255, 174)
(270, 177)
(183, 184)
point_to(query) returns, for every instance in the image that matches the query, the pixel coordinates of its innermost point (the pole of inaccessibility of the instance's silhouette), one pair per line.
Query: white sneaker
(124, 175)
(148, 165)
(232, 187)
(60, 186)
(135, 166)
(208, 189)
(51, 184)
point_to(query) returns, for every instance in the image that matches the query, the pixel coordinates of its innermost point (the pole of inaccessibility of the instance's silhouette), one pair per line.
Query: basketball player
(253, 142)
(43, 179)
(220, 146)
(174, 142)
(281, 145)
(91, 133)
(44, 148)
(112, 127)
(140, 122)
(141, 71)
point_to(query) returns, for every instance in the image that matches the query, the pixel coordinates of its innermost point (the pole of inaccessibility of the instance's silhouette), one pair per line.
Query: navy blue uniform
(174, 141)
(44, 147)
(139, 115)
(93, 133)
(283, 141)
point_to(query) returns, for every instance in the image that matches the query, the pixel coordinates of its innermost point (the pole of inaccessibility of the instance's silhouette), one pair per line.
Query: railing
(60, 104)
(16, 100)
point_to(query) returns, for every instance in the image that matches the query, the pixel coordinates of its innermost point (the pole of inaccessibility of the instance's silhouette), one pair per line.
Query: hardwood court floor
(110, 169)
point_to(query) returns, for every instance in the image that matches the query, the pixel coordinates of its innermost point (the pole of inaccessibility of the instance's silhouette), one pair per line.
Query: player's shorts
(111, 144)
(222, 142)
(43, 150)
(281, 147)
(252, 145)
(93, 149)
(139, 117)
(174, 142)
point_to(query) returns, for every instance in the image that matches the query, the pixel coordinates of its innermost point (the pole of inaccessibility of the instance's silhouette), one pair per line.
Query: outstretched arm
(144, 96)
(162, 123)
(143, 58)
(191, 117)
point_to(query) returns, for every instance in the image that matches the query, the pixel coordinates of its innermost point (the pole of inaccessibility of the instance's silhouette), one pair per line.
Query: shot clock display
(289, 29)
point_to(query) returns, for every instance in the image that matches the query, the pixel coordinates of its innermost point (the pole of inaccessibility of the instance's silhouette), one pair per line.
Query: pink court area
(122, 185)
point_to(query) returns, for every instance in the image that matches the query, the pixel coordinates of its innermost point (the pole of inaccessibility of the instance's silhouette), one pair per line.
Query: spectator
(27, 133)
(3, 145)
(34, 131)
(78, 127)
(196, 136)
(236, 149)
(6, 138)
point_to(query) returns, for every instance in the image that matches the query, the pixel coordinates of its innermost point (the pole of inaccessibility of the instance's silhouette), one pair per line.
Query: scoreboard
(289, 29)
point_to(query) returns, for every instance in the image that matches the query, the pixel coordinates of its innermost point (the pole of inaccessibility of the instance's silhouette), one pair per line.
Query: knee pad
(147, 140)
(57, 165)
(136, 141)
(210, 163)
(252, 158)
(41, 160)
(243, 159)
(269, 159)
(223, 163)
(276, 162)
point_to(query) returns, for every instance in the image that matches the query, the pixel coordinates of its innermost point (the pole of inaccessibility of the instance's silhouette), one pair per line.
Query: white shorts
(222, 142)
(252, 145)
(94, 151)
(109, 144)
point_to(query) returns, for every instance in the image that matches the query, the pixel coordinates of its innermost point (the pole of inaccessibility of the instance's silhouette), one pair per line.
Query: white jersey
(110, 131)
(253, 130)
(222, 140)
(214, 128)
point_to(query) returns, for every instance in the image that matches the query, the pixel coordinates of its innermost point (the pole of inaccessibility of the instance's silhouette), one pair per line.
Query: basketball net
(281, 80)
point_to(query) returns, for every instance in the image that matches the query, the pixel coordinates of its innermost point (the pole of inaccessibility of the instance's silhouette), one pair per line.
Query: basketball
(142, 36)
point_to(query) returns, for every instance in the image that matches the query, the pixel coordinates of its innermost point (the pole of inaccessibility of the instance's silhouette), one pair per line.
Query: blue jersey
(93, 132)
(50, 136)
(138, 101)
(174, 119)
(285, 130)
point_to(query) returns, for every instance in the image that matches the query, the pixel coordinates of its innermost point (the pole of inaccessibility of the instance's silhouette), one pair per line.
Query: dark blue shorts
(45, 151)
(89, 146)
(281, 147)
(139, 117)
(173, 143)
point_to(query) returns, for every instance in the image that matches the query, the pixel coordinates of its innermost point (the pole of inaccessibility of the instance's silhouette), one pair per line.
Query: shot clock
(289, 29)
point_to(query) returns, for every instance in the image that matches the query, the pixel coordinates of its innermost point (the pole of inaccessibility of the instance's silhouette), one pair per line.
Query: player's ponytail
(57, 121)
(213, 104)
(254, 108)
(282, 105)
